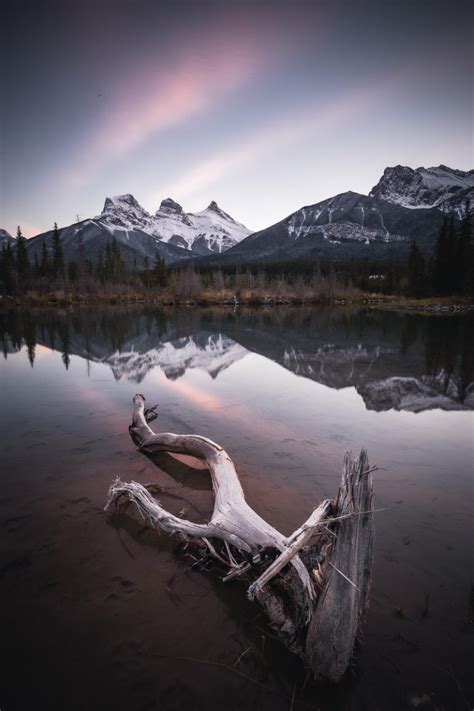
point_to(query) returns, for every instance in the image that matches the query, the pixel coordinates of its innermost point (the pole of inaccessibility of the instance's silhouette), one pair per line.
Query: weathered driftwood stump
(313, 585)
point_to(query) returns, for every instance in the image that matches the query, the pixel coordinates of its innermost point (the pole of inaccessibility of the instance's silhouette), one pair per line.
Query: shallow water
(98, 615)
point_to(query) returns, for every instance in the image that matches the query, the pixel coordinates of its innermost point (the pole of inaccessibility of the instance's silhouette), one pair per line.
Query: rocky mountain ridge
(171, 233)
(445, 188)
(406, 204)
(210, 230)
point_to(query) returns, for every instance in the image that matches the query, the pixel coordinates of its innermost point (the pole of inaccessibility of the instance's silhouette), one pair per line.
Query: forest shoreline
(445, 305)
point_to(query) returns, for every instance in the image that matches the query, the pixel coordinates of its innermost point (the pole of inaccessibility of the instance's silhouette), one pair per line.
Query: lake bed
(96, 615)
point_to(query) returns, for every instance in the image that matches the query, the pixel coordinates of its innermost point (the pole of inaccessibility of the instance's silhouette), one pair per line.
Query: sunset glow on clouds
(214, 100)
(296, 128)
(160, 96)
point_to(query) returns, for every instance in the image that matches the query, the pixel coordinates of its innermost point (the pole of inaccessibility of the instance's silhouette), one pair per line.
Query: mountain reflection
(395, 361)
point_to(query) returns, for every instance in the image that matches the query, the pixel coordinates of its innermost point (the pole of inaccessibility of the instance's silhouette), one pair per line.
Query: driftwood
(313, 585)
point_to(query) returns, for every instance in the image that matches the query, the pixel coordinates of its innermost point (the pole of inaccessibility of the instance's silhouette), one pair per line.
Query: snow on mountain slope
(347, 226)
(135, 243)
(405, 204)
(124, 212)
(216, 229)
(211, 230)
(6, 238)
(444, 188)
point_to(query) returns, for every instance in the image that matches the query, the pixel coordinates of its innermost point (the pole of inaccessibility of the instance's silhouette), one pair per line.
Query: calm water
(97, 615)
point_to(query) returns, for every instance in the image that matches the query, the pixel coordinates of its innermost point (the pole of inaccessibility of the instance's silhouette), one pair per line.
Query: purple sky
(264, 106)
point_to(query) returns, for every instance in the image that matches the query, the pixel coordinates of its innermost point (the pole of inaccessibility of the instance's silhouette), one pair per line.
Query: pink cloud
(28, 229)
(160, 95)
(307, 123)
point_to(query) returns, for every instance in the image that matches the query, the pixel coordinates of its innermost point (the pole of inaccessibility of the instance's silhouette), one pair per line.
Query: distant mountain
(405, 204)
(211, 230)
(447, 189)
(135, 244)
(170, 232)
(379, 227)
(348, 226)
(6, 238)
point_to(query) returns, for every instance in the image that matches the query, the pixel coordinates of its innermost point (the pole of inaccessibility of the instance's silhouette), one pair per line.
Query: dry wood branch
(338, 617)
(320, 626)
(297, 540)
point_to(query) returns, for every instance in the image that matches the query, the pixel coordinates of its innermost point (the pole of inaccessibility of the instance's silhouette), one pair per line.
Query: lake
(99, 613)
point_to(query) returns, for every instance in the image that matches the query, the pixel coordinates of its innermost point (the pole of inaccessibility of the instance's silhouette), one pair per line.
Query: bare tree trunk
(313, 585)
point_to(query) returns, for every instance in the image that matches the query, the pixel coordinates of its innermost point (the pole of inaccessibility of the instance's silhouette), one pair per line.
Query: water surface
(104, 614)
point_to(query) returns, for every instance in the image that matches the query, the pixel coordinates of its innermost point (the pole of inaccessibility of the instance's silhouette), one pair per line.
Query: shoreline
(431, 305)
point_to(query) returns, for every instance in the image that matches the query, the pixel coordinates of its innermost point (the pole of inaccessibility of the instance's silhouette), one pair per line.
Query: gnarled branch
(313, 584)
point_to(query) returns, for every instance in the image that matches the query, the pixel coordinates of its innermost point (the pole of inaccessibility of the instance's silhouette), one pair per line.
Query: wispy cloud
(296, 128)
(28, 229)
(160, 95)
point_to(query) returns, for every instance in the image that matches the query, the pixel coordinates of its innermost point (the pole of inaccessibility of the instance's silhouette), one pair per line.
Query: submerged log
(313, 585)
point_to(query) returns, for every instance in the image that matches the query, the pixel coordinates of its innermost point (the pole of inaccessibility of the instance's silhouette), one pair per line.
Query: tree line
(50, 271)
(448, 272)
(451, 270)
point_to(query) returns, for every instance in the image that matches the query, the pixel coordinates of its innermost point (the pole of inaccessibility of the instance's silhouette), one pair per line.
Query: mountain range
(405, 204)
(170, 232)
(211, 230)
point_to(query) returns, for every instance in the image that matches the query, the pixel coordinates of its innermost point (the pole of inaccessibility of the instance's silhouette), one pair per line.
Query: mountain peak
(122, 202)
(441, 187)
(123, 212)
(170, 207)
(214, 207)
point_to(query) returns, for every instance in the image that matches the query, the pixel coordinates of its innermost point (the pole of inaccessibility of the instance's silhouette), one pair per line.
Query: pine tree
(8, 272)
(58, 257)
(464, 255)
(440, 277)
(160, 272)
(73, 271)
(108, 263)
(82, 267)
(451, 272)
(118, 265)
(416, 271)
(145, 275)
(100, 271)
(22, 262)
(45, 266)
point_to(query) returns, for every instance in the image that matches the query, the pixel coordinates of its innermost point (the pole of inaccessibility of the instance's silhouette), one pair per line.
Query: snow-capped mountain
(135, 244)
(405, 204)
(379, 227)
(211, 230)
(124, 212)
(173, 234)
(347, 226)
(444, 188)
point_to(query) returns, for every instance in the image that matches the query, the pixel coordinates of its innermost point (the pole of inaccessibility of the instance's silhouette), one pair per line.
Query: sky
(262, 105)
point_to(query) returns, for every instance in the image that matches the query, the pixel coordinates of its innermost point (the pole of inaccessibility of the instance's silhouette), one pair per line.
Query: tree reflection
(338, 347)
